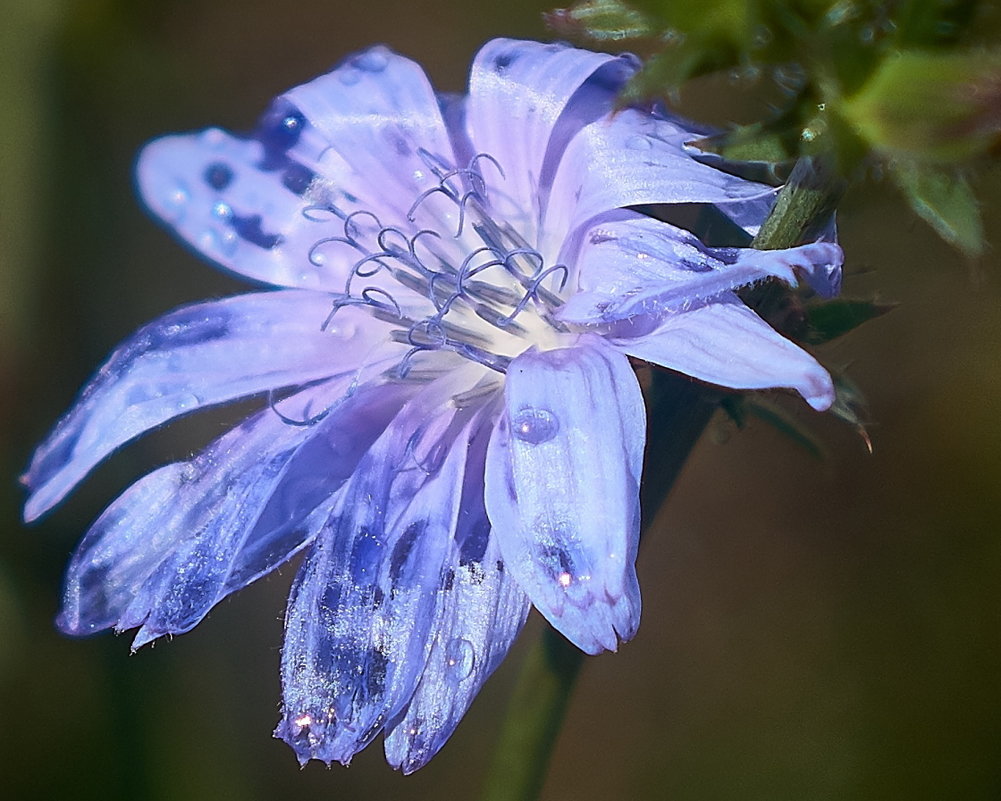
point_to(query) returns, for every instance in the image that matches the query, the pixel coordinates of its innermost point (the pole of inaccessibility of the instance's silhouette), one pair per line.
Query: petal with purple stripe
(562, 488)
(518, 91)
(364, 601)
(195, 357)
(634, 158)
(638, 266)
(480, 611)
(726, 343)
(186, 535)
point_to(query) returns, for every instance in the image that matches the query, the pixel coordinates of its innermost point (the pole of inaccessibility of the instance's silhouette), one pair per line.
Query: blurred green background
(812, 630)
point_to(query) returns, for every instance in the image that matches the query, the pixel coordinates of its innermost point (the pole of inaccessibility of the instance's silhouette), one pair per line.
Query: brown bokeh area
(812, 629)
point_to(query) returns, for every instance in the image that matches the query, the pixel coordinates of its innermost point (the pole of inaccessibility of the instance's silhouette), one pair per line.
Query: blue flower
(454, 433)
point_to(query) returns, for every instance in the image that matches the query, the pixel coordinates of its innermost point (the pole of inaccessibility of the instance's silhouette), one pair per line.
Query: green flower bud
(932, 107)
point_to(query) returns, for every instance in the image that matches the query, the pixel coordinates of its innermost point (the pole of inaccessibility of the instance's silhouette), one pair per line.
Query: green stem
(679, 411)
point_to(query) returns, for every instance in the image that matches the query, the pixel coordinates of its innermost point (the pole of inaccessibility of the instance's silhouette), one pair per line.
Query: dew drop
(460, 658)
(372, 61)
(178, 197)
(638, 142)
(222, 211)
(535, 425)
(348, 76)
(212, 241)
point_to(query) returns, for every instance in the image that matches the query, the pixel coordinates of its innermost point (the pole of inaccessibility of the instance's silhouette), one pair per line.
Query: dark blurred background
(812, 629)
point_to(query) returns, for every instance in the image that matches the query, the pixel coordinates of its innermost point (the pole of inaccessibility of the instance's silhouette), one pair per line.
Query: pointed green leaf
(944, 199)
(833, 318)
(851, 406)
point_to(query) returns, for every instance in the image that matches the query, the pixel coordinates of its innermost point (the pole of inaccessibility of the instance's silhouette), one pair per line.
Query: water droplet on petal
(222, 210)
(374, 60)
(534, 425)
(178, 197)
(460, 658)
(638, 142)
(213, 242)
(348, 76)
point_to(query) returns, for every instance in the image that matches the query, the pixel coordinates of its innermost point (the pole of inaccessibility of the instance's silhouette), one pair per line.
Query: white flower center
(464, 282)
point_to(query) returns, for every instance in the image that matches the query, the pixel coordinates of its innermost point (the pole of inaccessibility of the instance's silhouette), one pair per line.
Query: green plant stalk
(679, 410)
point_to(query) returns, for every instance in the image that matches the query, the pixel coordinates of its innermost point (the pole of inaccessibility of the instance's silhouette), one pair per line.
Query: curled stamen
(309, 421)
(432, 162)
(432, 328)
(561, 268)
(389, 229)
(535, 290)
(349, 221)
(311, 212)
(366, 296)
(357, 270)
(466, 197)
(403, 368)
(318, 259)
(476, 179)
(531, 253)
(337, 305)
(442, 298)
(418, 235)
(465, 272)
(475, 160)
(412, 211)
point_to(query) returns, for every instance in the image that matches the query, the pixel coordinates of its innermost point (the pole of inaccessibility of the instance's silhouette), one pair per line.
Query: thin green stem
(679, 410)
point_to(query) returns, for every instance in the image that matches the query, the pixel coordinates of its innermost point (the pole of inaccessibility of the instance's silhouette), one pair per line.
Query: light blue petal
(480, 611)
(562, 488)
(634, 158)
(185, 536)
(518, 92)
(276, 206)
(364, 602)
(260, 219)
(638, 266)
(195, 357)
(384, 132)
(726, 343)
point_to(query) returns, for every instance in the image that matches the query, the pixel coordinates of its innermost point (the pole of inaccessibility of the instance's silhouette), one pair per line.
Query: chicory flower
(454, 431)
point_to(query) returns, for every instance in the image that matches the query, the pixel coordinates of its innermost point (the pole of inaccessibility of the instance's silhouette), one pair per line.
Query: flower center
(452, 277)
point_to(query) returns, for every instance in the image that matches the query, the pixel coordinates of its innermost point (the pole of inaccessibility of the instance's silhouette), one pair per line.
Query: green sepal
(930, 106)
(771, 142)
(850, 406)
(834, 318)
(944, 199)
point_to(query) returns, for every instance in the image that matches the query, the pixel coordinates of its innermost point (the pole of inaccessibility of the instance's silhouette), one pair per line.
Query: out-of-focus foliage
(913, 84)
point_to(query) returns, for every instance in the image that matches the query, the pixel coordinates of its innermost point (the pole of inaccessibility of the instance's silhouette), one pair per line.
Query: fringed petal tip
(310, 736)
